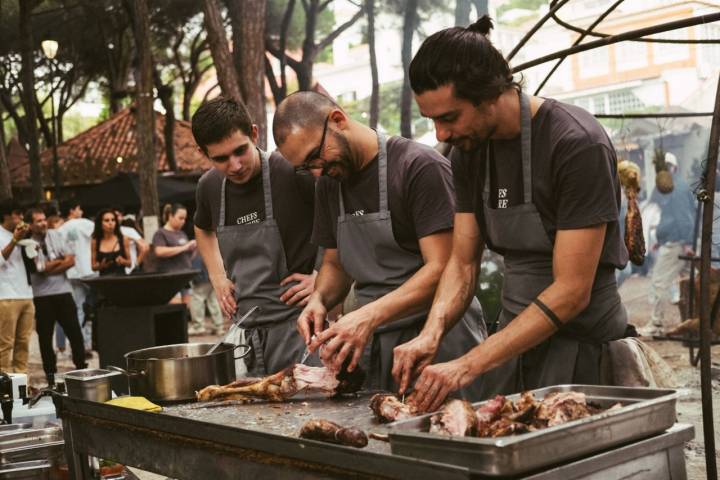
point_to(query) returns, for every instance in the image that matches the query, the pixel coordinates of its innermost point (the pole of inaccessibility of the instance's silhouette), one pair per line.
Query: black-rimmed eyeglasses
(311, 161)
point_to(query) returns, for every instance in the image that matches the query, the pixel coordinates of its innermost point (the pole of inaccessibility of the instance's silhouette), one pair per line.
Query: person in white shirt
(52, 293)
(17, 312)
(77, 232)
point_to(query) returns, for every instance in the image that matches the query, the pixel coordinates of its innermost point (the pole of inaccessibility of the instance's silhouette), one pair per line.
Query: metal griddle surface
(288, 417)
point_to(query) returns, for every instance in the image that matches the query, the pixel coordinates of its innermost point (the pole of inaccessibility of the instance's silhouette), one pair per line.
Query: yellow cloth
(137, 403)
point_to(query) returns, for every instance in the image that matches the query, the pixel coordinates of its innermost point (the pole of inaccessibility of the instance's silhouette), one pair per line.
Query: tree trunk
(145, 120)
(481, 6)
(462, 13)
(224, 67)
(165, 93)
(375, 95)
(248, 23)
(410, 20)
(28, 98)
(5, 186)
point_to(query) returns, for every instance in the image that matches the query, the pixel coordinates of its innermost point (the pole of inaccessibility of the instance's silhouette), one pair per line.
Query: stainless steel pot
(173, 373)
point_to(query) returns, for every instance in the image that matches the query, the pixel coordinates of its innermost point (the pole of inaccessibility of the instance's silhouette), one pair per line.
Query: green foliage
(389, 111)
(296, 30)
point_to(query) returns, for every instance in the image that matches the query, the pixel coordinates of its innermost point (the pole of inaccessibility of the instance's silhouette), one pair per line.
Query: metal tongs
(236, 324)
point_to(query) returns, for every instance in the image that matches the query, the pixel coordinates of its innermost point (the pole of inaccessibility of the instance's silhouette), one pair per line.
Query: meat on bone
(456, 418)
(287, 383)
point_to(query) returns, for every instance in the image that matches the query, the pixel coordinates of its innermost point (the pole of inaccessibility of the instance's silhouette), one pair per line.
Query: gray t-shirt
(53, 247)
(420, 195)
(574, 176)
(171, 238)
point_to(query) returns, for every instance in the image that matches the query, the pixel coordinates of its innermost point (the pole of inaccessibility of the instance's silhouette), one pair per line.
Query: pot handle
(248, 349)
(125, 372)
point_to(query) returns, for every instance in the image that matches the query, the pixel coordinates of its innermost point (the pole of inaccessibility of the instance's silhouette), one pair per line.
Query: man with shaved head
(383, 213)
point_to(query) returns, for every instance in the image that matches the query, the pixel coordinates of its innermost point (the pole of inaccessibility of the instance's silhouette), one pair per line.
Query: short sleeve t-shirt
(574, 176)
(171, 238)
(293, 201)
(53, 247)
(420, 195)
(78, 233)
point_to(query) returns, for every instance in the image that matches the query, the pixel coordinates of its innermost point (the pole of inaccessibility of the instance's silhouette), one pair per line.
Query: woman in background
(109, 248)
(173, 249)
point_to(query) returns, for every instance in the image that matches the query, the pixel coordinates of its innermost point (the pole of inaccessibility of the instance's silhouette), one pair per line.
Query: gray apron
(369, 253)
(254, 258)
(572, 355)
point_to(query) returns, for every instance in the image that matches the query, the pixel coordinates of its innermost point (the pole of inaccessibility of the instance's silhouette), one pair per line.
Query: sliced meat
(456, 418)
(388, 408)
(327, 431)
(562, 407)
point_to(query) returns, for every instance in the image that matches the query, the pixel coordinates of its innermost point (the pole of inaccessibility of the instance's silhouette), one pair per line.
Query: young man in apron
(383, 216)
(253, 224)
(535, 181)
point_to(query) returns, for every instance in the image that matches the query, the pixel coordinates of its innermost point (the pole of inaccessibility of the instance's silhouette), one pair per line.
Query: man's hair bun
(483, 25)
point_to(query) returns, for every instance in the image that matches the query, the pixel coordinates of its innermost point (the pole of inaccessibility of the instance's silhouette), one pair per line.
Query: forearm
(452, 297)
(7, 250)
(331, 285)
(413, 296)
(54, 267)
(530, 328)
(210, 253)
(165, 252)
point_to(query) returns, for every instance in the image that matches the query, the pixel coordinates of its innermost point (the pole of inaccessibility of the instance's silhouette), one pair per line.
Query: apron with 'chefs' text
(254, 258)
(370, 254)
(571, 355)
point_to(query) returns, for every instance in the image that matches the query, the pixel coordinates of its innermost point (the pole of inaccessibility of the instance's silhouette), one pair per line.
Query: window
(594, 63)
(630, 55)
(710, 51)
(623, 102)
(671, 52)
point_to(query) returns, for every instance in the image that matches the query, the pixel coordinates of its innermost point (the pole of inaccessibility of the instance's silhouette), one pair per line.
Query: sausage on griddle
(327, 431)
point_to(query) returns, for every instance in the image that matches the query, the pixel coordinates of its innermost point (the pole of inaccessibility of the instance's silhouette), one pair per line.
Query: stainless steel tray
(31, 444)
(645, 411)
(32, 470)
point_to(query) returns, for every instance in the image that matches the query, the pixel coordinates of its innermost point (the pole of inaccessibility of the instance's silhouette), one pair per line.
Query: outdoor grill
(134, 314)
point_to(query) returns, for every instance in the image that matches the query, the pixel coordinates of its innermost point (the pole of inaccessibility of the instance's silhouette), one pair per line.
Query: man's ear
(254, 134)
(340, 119)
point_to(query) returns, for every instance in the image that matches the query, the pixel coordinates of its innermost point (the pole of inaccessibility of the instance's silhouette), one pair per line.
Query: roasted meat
(562, 407)
(499, 417)
(456, 418)
(629, 174)
(388, 408)
(287, 383)
(327, 431)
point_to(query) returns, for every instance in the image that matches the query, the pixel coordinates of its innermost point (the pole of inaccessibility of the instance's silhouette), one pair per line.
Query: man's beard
(471, 143)
(342, 167)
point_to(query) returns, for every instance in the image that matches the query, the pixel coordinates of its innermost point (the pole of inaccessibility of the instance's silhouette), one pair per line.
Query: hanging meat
(629, 174)
(327, 431)
(456, 418)
(388, 408)
(287, 383)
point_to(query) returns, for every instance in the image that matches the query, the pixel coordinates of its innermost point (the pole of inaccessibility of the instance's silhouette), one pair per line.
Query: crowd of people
(46, 255)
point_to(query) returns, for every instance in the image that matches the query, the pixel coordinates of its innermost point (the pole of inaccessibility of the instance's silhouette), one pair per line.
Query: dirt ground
(635, 296)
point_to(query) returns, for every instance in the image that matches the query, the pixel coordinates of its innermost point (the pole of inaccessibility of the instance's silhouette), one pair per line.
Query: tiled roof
(92, 156)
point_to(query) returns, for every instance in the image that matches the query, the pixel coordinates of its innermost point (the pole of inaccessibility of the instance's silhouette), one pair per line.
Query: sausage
(327, 431)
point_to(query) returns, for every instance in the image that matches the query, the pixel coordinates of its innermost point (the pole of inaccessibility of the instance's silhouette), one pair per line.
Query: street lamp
(50, 48)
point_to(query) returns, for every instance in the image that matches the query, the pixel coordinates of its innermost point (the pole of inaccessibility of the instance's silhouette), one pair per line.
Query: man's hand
(191, 245)
(299, 293)
(225, 292)
(411, 358)
(436, 382)
(348, 336)
(312, 319)
(20, 231)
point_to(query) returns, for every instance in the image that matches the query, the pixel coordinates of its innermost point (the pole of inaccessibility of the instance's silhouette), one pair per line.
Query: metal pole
(654, 115)
(631, 35)
(535, 28)
(707, 196)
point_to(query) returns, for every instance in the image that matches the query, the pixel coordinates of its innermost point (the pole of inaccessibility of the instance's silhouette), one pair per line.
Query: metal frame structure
(705, 193)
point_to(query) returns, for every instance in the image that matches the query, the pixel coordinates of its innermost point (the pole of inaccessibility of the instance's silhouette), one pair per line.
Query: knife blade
(236, 324)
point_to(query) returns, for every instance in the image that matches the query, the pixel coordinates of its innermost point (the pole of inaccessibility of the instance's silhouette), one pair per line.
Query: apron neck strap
(525, 149)
(267, 194)
(382, 177)
(267, 191)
